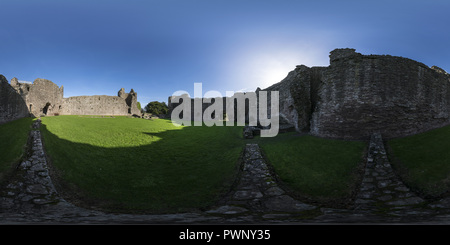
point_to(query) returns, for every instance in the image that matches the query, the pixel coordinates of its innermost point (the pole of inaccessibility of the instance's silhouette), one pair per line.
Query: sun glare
(264, 65)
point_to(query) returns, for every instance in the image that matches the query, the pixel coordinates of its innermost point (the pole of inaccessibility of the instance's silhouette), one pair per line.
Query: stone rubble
(30, 198)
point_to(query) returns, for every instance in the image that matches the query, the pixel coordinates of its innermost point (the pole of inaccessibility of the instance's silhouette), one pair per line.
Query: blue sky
(158, 47)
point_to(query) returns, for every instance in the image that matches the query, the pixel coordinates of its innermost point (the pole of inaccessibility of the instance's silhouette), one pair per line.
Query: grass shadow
(13, 143)
(422, 161)
(316, 170)
(178, 170)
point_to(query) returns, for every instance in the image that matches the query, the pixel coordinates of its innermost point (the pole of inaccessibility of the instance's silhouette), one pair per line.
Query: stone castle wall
(130, 100)
(298, 96)
(44, 98)
(357, 95)
(12, 105)
(94, 105)
(121, 105)
(203, 104)
(395, 96)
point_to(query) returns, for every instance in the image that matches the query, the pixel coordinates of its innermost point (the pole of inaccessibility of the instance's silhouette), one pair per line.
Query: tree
(157, 108)
(139, 106)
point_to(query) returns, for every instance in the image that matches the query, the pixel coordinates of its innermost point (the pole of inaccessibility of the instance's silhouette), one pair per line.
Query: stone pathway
(382, 196)
(30, 198)
(33, 187)
(381, 189)
(257, 191)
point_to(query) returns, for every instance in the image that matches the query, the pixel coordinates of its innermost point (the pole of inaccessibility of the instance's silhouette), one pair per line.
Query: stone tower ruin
(42, 97)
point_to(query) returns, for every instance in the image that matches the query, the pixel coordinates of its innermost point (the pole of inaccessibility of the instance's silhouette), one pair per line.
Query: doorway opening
(46, 108)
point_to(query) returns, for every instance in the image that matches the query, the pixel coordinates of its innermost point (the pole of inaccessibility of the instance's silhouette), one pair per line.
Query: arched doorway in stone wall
(46, 108)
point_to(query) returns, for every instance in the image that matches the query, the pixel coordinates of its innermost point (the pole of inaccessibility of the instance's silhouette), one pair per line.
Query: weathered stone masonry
(43, 97)
(12, 104)
(123, 104)
(358, 95)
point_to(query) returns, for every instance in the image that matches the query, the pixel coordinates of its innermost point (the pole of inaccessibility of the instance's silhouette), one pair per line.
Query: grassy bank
(135, 164)
(317, 168)
(13, 140)
(423, 160)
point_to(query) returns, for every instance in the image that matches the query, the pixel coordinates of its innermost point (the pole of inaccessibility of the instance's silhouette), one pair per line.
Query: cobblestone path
(383, 196)
(30, 197)
(381, 188)
(258, 192)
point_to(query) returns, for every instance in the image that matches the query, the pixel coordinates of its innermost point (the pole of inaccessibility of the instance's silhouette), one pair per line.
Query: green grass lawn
(321, 169)
(135, 164)
(424, 160)
(130, 164)
(13, 139)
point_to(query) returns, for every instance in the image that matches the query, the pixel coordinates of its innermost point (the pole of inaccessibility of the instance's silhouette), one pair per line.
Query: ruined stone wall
(298, 96)
(193, 101)
(95, 105)
(363, 94)
(123, 104)
(358, 95)
(42, 97)
(12, 105)
(131, 100)
(228, 104)
(45, 98)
